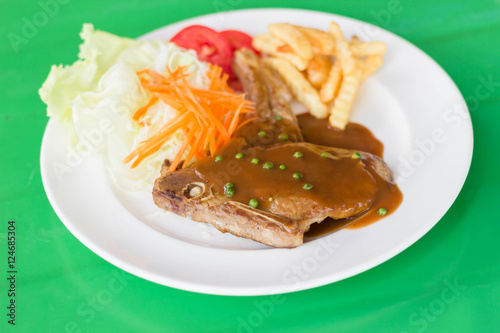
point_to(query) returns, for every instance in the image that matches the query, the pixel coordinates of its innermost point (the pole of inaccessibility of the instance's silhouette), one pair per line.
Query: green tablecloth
(449, 281)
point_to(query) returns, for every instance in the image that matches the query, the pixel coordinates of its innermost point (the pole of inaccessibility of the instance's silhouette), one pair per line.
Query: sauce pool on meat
(283, 177)
(338, 180)
(356, 137)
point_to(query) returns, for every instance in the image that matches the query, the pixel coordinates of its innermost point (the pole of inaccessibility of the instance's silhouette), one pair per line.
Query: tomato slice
(209, 45)
(235, 84)
(238, 40)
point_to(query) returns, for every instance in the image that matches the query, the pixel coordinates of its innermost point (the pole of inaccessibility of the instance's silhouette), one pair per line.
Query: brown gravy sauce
(331, 178)
(356, 137)
(389, 197)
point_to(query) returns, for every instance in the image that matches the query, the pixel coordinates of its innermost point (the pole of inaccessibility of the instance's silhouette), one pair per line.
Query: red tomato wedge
(238, 40)
(209, 45)
(235, 84)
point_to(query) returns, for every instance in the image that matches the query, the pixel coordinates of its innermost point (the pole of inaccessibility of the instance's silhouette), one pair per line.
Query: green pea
(271, 199)
(229, 191)
(298, 154)
(284, 137)
(253, 203)
(268, 165)
(255, 160)
(356, 155)
(307, 186)
(218, 158)
(382, 211)
(297, 175)
(239, 156)
(228, 185)
(278, 118)
(324, 154)
(283, 167)
(262, 134)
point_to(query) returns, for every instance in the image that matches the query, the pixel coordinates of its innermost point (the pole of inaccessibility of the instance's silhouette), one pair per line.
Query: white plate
(410, 104)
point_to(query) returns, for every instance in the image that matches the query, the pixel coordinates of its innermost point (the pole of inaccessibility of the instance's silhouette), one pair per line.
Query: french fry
(318, 69)
(271, 45)
(321, 41)
(362, 49)
(370, 65)
(339, 115)
(293, 37)
(304, 58)
(303, 91)
(267, 43)
(354, 40)
(329, 88)
(344, 53)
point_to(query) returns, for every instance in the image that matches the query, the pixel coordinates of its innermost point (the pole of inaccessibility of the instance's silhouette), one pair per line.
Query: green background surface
(59, 279)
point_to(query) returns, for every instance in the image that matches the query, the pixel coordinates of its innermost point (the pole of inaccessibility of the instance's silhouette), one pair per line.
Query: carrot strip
(154, 75)
(199, 153)
(192, 152)
(171, 101)
(142, 111)
(168, 129)
(206, 144)
(235, 120)
(178, 157)
(245, 122)
(208, 117)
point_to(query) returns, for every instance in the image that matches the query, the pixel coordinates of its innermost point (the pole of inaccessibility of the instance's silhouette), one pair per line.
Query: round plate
(410, 104)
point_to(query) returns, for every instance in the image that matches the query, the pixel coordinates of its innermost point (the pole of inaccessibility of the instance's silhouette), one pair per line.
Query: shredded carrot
(142, 111)
(245, 122)
(208, 117)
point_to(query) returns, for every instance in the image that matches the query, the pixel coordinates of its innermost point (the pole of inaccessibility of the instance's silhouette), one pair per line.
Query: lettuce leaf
(101, 87)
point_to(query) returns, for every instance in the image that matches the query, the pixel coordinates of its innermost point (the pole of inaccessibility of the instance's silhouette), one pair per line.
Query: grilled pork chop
(280, 185)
